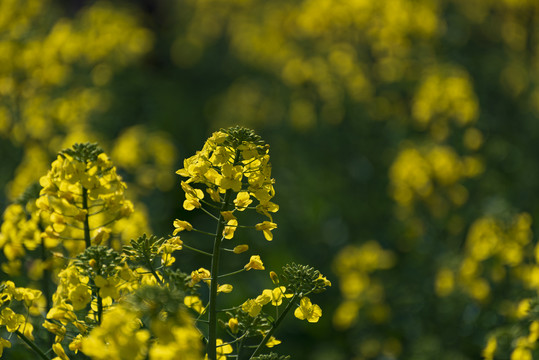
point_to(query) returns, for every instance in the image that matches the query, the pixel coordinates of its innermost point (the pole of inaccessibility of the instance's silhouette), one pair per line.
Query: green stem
(87, 238)
(196, 250)
(204, 232)
(99, 308)
(88, 242)
(231, 273)
(274, 327)
(212, 334)
(33, 346)
(45, 281)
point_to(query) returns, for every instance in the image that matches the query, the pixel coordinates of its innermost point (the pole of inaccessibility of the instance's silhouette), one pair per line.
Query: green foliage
(85, 153)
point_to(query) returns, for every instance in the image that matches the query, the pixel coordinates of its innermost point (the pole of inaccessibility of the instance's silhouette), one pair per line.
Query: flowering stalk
(212, 335)
(274, 326)
(87, 239)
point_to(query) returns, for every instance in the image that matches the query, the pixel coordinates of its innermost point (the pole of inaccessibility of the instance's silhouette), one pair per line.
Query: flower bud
(241, 248)
(274, 278)
(233, 325)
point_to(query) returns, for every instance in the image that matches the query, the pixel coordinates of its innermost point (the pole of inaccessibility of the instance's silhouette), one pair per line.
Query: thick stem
(212, 334)
(33, 346)
(87, 238)
(88, 242)
(99, 308)
(274, 327)
(45, 281)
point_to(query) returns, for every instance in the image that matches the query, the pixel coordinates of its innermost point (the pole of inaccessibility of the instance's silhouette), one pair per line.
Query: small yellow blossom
(242, 201)
(80, 296)
(59, 350)
(107, 287)
(192, 197)
(76, 344)
(274, 277)
(56, 329)
(181, 225)
(62, 312)
(200, 274)
(263, 298)
(276, 295)
(194, 303)
(226, 288)
(4, 344)
(251, 307)
(272, 342)
(255, 263)
(233, 325)
(10, 319)
(27, 330)
(230, 228)
(241, 248)
(308, 311)
(323, 278)
(266, 228)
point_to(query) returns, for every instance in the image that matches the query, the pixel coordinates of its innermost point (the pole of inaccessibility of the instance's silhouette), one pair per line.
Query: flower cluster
(20, 233)
(82, 196)
(234, 160)
(130, 301)
(12, 297)
(234, 170)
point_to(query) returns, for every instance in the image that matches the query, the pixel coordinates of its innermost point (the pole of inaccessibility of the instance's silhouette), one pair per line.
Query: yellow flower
(192, 197)
(10, 319)
(274, 278)
(59, 350)
(263, 298)
(231, 177)
(76, 344)
(80, 296)
(27, 329)
(272, 342)
(266, 228)
(107, 287)
(323, 278)
(194, 303)
(276, 295)
(233, 325)
(62, 312)
(255, 263)
(251, 307)
(223, 349)
(226, 288)
(242, 200)
(56, 329)
(181, 225)
(231, 224)
(308, 311)
(4, 344)
(241, 248)
(200, 274)
(230, 228)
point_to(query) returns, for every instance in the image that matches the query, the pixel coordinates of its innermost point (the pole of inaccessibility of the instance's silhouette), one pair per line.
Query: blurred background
(403, 142)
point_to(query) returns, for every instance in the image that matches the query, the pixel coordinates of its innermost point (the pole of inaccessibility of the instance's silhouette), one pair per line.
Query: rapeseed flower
(255, 263)
(308, 311)
(266, 228)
